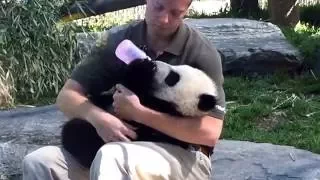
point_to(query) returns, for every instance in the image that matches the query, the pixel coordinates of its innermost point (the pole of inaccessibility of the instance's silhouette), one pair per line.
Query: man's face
(164, 16)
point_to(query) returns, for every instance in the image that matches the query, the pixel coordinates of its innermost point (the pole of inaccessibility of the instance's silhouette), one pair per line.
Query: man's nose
(164, 18)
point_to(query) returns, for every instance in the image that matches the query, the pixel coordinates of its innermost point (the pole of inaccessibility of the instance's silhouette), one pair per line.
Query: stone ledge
(240, 160)
(236, 160)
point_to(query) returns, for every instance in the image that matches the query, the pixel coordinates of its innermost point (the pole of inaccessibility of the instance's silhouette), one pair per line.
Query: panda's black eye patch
(172, 78)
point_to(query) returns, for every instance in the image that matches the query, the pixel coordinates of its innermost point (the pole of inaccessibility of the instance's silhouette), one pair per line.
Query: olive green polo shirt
(101, 69)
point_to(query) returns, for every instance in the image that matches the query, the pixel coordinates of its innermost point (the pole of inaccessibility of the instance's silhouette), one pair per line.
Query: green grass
(278, 110)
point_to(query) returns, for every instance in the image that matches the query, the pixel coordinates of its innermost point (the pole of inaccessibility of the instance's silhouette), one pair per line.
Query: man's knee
(42, 157)
(109, 162)
(125, 159)
(40, 163)
(52, 162)
(110, 151)
(118, 150)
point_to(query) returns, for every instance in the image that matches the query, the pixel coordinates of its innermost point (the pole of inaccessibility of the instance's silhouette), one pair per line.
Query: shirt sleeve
(100, 69)
(208, 59)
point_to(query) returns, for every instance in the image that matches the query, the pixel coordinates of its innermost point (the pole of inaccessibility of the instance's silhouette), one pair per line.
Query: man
(163, 36)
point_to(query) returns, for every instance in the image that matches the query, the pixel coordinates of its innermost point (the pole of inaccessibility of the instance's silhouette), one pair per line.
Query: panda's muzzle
(148, 67)
(141, 73)
(143, 67)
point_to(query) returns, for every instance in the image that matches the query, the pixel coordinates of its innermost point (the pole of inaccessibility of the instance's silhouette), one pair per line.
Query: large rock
(239, 160)
(22, 131)
(248, 47)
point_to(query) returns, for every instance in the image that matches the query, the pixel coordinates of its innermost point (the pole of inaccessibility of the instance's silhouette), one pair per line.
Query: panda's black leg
(81, 140)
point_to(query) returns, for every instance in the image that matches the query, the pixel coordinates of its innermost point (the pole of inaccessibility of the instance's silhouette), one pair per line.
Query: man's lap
(52, 162)
(157, 159)
(134, 157)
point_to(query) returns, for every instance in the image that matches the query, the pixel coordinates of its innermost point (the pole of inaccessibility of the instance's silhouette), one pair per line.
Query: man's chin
(163, 33)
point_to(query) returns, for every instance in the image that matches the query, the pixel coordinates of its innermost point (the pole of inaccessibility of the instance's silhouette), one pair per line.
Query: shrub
(6, 87)
(35, 50)
(307, 39)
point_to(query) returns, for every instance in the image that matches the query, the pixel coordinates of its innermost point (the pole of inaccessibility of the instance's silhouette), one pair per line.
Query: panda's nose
(154, 67)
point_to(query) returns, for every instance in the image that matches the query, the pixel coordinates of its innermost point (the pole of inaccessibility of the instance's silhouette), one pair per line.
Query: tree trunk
(284, 12)
(245, 8)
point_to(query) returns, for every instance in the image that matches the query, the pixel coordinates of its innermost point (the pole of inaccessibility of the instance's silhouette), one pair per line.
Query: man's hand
(125, 103)
(110, 128)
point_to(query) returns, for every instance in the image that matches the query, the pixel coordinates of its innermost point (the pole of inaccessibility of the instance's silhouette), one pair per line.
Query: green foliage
(6, 87)
(307, 39)
(104, 21)
(36, 51)
(99, 23)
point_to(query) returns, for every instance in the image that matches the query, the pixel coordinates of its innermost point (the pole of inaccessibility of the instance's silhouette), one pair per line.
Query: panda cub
(179, 90)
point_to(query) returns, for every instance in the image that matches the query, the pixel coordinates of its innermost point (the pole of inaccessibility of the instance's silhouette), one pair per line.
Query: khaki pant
(119, 161)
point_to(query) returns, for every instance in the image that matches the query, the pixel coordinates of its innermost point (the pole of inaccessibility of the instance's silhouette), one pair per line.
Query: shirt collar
(175, 47)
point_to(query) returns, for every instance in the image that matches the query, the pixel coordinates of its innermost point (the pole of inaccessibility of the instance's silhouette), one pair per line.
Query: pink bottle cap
(127, 52)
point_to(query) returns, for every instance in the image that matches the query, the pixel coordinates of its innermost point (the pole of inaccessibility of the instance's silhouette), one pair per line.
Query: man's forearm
(205, 130)
(73, 103)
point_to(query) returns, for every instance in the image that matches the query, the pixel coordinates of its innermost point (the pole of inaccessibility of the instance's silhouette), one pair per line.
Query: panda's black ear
(206, 102)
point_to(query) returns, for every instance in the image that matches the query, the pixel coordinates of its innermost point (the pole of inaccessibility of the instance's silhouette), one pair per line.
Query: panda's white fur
(193, 83)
